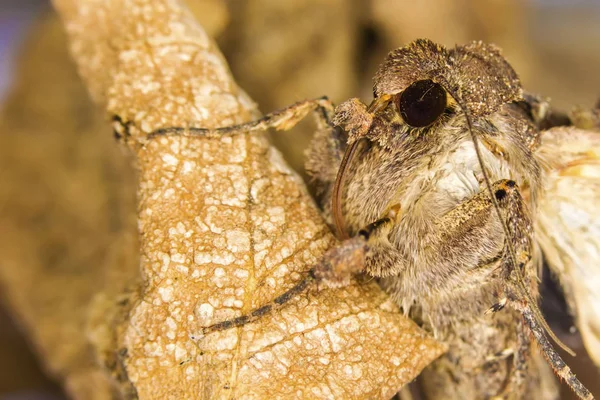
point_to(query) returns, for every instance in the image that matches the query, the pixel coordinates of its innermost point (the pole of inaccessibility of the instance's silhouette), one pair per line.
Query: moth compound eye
(422, 103)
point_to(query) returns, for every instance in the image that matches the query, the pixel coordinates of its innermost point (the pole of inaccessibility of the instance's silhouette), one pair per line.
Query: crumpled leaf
(224, 227)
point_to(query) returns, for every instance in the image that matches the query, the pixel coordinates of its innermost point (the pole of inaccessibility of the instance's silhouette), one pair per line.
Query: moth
(449, 189)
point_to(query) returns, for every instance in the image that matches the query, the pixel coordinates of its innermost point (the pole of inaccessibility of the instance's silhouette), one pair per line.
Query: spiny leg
(334, 269)
(520, 228)
(561, 369)
(347, 254)
(539, 110)
(519, 246)
(283, 119)
(515, 385)
(520, 358)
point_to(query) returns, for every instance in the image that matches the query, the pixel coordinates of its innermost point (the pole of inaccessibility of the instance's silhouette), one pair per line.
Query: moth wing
(568, 224)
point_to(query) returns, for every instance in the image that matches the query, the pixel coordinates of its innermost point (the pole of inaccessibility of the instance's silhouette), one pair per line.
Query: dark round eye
(421, 103)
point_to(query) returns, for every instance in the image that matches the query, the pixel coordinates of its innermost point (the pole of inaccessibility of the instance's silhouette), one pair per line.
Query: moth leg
(347, 256)
(520, 228)
(334, 269)
(502, 355)
(584, 118)
(283, 119)
(517, 377)
(560, 368)
(539, 110)
(520, 355)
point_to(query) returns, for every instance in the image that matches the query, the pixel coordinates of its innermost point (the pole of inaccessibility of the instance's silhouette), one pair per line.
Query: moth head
(421, 80)
(423, 77)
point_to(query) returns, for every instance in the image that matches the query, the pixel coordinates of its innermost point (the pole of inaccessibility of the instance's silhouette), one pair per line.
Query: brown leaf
(225, 226)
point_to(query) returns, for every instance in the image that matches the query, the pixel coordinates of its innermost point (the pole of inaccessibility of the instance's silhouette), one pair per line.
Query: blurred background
(284, 51)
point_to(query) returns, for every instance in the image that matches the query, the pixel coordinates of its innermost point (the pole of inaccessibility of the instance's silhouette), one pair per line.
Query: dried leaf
(225, 226)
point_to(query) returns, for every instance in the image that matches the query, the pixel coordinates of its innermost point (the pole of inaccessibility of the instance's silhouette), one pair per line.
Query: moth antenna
(336, 198)
(522, 288)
